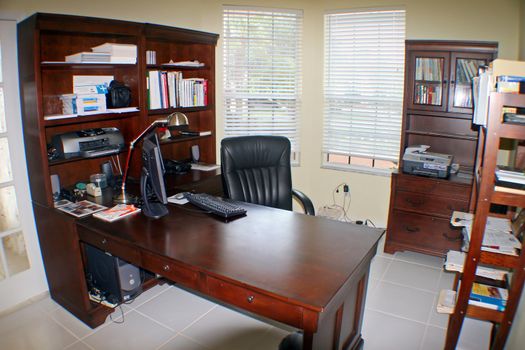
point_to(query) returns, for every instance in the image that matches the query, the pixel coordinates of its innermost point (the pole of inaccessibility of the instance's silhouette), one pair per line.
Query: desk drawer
(255, 302)
(421, 231)
(109, 245)
(430, 186)
(171, 270)
(431, 205)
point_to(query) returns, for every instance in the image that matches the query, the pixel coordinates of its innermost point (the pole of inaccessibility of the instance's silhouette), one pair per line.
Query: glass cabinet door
(428, 81)
(464, 67)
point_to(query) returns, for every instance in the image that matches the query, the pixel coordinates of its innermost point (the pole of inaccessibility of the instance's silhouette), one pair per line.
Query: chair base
(292, 341)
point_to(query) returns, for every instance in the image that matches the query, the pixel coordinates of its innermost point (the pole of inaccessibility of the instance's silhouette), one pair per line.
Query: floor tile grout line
(151, 298)
(197, 319)
(411, 287)
(156, 321)
(194, 340)
(416, 263)
(397, 316)
(175, 335)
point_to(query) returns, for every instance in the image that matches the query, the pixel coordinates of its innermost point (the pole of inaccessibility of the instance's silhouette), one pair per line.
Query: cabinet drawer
(432, 186)
(421, 231)
(109, 245)
(171, 270)
(431, 205)
(255, 302)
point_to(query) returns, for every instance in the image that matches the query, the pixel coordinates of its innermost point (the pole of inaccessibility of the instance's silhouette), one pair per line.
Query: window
(363, 89)
(262, 72)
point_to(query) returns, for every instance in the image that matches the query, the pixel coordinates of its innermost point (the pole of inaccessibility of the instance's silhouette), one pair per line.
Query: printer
(88, 143)
(416, 160)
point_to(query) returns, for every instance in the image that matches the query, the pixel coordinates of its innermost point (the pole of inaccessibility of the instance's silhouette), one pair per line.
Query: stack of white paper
(119, 53)
(455, 261)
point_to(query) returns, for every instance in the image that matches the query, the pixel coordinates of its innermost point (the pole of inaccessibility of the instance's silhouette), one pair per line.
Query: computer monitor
(152, 185)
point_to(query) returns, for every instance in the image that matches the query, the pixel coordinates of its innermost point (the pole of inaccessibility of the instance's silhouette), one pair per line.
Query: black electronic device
(116, 280)
(215, 205)
(152, 185)
(176, 167)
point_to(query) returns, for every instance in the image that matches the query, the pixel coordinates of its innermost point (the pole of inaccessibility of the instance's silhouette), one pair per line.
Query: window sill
(358, 169)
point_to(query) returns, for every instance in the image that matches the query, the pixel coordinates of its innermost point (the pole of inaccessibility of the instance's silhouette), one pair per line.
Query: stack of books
(483, 295)
(488, 296)
(171, 90)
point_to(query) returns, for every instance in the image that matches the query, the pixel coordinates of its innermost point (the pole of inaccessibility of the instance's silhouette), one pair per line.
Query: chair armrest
(305, 201)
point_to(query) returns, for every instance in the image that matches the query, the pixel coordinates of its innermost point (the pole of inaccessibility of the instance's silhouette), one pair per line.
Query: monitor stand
(152, 209)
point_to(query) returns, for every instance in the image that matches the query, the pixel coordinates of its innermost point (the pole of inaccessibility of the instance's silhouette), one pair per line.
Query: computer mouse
(180, 195)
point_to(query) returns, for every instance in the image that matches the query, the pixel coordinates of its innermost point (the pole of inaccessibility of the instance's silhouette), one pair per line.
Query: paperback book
(488, 296)
(117, 212)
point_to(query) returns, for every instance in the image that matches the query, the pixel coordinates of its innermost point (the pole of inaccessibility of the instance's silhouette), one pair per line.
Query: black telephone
(176, 167)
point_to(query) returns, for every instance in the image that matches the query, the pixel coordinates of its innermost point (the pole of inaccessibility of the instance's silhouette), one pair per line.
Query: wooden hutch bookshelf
(437, 111)
(43, 42)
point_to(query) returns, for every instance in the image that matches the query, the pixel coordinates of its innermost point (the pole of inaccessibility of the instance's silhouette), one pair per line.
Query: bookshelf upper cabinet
(440, 78)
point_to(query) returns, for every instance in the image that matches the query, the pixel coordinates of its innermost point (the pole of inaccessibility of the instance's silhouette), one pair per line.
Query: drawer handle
(414, 202)
(412, 229)
(250, 299)
(104, 241)
(451, 238)
(166, 267)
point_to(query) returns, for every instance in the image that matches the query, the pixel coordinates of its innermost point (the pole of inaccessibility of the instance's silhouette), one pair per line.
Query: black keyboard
(214, 205)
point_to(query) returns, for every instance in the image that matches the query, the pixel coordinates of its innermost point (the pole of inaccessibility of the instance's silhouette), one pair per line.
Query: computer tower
(115, 279)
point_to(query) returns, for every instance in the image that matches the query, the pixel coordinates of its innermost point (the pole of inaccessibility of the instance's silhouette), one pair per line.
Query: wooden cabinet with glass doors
(437, 112)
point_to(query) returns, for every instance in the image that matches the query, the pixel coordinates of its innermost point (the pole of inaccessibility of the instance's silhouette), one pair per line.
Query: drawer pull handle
(166, 267)
(414, 202)
(412, 229)
(250, 299)
(451, 238)
(104, 241)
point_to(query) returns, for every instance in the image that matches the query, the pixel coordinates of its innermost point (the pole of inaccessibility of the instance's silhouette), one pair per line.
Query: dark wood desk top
(301, 259)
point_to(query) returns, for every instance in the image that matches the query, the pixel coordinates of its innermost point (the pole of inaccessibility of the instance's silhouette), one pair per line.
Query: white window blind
(363, 84)
(262, 72)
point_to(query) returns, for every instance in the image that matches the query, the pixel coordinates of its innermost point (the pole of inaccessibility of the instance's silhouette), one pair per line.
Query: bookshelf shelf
(90, 118)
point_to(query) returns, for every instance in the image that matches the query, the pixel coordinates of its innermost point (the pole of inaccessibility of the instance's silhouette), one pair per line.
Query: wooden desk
(307, 272)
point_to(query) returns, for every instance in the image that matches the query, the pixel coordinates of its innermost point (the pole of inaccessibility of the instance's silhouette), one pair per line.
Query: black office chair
(256, 169)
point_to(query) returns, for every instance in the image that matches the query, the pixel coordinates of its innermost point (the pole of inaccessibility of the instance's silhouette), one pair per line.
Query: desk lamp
(174, 121)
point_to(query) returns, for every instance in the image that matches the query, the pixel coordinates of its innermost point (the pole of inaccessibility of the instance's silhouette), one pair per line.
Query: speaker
(195, 154)
(116, 279)
(55, 186)
(107, 169)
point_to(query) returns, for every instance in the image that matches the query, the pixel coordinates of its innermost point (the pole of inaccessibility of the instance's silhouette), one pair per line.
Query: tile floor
(400, 314)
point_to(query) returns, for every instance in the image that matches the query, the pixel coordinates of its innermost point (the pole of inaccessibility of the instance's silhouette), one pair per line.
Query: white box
(119, 50)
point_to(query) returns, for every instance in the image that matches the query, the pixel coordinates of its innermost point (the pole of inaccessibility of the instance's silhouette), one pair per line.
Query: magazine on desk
(117, 212)
(82, 208)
